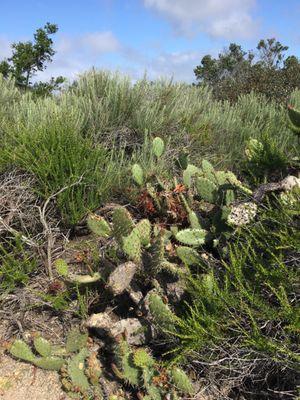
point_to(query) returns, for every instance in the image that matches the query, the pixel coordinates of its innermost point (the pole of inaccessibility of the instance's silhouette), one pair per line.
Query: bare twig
(48, 231)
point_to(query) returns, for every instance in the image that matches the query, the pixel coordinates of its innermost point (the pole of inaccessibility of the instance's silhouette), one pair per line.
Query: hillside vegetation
(156, 230)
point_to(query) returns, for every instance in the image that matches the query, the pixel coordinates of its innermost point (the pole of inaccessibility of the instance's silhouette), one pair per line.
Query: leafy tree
(30, 57)
(236, 71)
(271, 52)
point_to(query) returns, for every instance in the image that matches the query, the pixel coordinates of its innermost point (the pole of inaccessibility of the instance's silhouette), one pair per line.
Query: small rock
(290, 182)
(120, 279)
(175, 291)
(101, 321)
(135, 293)
(106, 325)
(136, 333)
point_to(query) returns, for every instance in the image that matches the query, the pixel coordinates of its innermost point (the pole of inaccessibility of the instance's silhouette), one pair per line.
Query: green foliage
(46, 142)
(236, 72)
(138, 368)
(256, 286)
(79, 368)
(294, 117)
(17, 263)
(30, 57)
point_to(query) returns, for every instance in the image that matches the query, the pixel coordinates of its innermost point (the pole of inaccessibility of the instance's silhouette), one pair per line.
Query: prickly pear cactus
(138, 174)
(125, 368)
(158, 147)
(122, 223)
(132, 246)
(182, 381)
(63, 270)
(99, 226)
(21, 350)
(206, 189)
(188, 255)
(192, 237)
(143, 359)
(163, 317)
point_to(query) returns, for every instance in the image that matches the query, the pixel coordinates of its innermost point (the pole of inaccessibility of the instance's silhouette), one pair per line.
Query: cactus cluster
(141, 243)
(79, 367)
(139, 369)
(130, 237)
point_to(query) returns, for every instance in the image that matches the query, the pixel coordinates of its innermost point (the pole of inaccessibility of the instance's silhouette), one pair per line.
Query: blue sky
(161, 37)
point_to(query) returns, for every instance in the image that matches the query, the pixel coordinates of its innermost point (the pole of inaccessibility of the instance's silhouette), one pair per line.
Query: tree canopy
(235, 71)
(30, 57)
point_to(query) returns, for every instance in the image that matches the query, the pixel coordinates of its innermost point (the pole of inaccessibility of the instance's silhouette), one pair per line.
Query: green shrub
(17, 263)
(46, 141)
(248, 308)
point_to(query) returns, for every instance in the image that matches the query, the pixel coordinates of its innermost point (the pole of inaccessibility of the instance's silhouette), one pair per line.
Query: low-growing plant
(17, 263)
(139, 369)
(247, 305)
(78, 364)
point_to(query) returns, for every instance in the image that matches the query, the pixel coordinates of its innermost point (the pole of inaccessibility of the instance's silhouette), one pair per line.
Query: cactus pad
(188, 255)
(20, 349)
(182, 381)
(122, 223)
(192, 237)
(158, 147)
(206, 189)
(42, 346)
(132, 246)
(142, 358)
(99, 226)
(138, 174)
(49, 363)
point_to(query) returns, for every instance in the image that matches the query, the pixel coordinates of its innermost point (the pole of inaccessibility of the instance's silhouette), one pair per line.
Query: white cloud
(219, 18)
(101, 42)
(95, 42)
(175, 64)
(76, 54)
(5, 50)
